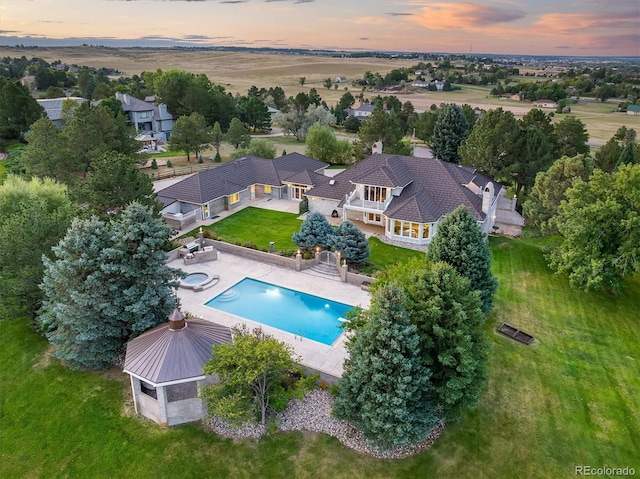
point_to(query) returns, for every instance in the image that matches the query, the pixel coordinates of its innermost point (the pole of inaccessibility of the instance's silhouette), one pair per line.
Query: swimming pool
(298, 313)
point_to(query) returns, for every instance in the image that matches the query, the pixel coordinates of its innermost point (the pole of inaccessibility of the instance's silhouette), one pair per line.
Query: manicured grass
(570, 398)
(259, 226)
(262, 226)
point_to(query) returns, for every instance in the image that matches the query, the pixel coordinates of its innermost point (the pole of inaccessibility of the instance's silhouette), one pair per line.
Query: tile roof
(162, 355)
(434, 187)
(238, 175)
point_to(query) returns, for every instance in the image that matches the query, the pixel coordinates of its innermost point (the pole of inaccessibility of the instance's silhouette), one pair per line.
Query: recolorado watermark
(604, 471)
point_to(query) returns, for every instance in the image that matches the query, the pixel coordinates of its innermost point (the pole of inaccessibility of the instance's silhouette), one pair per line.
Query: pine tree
(447, 312)
(461, 244)
(450, 130)
(107, 284)
(351, 243)
(237, 135)
(384, 387)
(315, 232)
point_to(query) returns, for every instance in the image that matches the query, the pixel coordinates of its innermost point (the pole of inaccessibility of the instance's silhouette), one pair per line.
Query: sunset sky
(540, 27)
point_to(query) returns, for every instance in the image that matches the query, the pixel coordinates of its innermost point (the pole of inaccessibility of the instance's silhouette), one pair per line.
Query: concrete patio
(232, 269)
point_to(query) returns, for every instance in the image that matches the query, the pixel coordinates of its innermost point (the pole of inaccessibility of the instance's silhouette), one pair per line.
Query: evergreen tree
(107, 284)
(607, 157)
(450, 130)
(113, 182)
(629, 155)
(461, 244)
(447, 312)
(34, 215)
(351, 242)
(237, 134)
(18, 109)
(572, 136)
(216, 137)
(315, 232)
(384, 387)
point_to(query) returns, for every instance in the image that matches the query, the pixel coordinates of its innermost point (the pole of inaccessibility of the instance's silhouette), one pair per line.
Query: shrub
(303, 207)
(154, 164)
(169, 164)
(200, 160)
(217, 158)
(250, 244)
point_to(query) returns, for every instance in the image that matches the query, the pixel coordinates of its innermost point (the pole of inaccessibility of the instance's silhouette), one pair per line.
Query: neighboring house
(341, 79)
(232, 184)
(545, 103)
(53, 107)
(365, 110)
(633, 110)
(511, 96)
(406, 196)
(420, 83)
(147, 117)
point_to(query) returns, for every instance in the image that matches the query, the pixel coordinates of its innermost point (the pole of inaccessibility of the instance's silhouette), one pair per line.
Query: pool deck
(233, 268)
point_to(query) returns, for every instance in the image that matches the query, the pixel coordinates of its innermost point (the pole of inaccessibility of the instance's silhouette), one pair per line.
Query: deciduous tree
(384, 389)
(322, 144)
(461, 244)
(492, 146)
(600, 223)
(34, 215)
(190, 134)
(18, 109)
(249, 371)
(549, 190)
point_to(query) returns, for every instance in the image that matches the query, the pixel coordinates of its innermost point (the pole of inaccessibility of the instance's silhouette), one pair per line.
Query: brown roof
(431, 187)
(238, 175)
(163, 355)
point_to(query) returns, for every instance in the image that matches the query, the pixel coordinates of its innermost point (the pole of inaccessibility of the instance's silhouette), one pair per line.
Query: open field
(238, 71)
(571, 398)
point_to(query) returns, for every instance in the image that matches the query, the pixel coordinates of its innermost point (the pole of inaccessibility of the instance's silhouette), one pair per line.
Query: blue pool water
(298, 313)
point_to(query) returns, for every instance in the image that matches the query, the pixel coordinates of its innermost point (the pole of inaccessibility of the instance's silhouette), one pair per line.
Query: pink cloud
(465, 16)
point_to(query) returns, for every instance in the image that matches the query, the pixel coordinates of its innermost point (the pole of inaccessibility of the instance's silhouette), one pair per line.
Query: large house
(405, 196)
(148, 119)
(53, 107)
(232, 184)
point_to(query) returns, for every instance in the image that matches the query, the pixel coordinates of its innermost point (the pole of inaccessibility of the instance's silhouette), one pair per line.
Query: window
(375, 193)
(374, 217)
(425, 231)
(267, 188)
(409, 229)
(234, 198)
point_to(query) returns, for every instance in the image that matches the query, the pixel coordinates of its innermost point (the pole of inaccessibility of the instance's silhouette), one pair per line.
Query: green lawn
(262, 226)
(571, 398)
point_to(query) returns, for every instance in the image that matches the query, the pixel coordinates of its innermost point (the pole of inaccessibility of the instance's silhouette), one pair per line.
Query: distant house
(406, 196)
(420, 83)
(341, 80)
(545, 103)
(53, 107)
(239, 181)
(511, 96)
(633, 110)
(364, 110)
(147, 117)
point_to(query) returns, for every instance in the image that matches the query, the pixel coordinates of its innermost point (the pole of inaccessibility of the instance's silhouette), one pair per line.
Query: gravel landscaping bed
(313, 413)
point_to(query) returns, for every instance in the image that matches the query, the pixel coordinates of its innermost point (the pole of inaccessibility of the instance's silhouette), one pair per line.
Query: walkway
(232, 269)
(508, 221)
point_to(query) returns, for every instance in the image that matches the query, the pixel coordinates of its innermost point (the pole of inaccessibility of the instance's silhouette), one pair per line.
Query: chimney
(377, 147)
(487, 195)
(176, 320)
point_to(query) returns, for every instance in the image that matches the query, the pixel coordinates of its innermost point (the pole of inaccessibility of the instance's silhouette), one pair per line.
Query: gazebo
(166, 368)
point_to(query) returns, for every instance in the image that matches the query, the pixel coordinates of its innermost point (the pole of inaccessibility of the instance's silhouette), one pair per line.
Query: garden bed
(515, 333)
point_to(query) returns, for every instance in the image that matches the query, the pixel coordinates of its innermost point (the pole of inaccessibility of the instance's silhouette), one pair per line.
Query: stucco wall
(324, 206)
